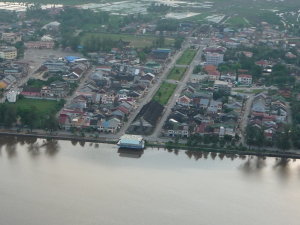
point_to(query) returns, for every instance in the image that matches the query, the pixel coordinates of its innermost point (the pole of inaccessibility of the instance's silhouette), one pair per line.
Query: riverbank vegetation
(31, 113)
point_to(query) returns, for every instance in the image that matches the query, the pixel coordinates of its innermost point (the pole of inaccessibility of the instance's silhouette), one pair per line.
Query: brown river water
(70, 183)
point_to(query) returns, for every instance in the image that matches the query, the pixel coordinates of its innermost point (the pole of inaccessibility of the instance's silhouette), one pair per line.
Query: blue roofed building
(71, 58)
(161, 53)
(110, 126)
(131, 141)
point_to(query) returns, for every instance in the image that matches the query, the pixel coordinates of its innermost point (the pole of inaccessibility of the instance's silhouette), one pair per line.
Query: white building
(245, 79)
(46, 38)
(223, 86)
(12, 96)
(52, 25)
(131, 141)
(11, 37)
(214, 58)
(8, 52)
(197, 78)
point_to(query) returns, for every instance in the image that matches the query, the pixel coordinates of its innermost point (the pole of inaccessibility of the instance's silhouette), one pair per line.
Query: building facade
(39, 44)
(222, 86)
(8, 52)
(214, 58)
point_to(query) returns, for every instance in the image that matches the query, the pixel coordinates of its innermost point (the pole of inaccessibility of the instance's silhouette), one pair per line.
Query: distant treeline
(158, 8)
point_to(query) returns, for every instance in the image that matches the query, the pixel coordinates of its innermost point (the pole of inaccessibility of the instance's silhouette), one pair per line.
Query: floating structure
(131, 141)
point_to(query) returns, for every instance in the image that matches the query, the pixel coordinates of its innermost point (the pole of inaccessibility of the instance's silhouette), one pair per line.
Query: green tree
(295, 133)
(10, 117)
(214, 139)
(51, 123)
(249, 134)
(33, 116)
(256, 71)
(142, 56)
(178, 43)
(260, 139)
(177, 138)
(23, 114)
(224, 68)
(159, 95)
(199, 138)
(197, 69)
(236, 67)
(283, 138)
(222, 143)
(206, 139)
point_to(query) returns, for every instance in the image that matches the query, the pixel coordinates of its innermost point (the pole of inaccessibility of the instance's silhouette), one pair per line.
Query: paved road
(244, 118)
(153, 89)
(36, 58)
(177, 92)
(81, 85)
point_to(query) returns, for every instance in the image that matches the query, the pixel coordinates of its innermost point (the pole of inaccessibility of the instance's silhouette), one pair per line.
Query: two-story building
(245, 79)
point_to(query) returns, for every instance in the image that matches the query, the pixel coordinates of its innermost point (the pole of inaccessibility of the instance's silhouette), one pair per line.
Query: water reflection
(213, 155)
(130, 153)
(282, 166)
(253, 164)
(34, 149)
(84, 180)
(221, 156)
(11, 146)
(74, 143)
(52, 147)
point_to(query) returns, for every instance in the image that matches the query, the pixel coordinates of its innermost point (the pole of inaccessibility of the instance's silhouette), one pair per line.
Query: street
(177, 92)
(154, 88)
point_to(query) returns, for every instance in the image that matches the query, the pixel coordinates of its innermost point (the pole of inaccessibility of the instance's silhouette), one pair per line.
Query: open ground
(166, 90)
(42, 105)
(176, 73)
(187, 57)
(136, 41)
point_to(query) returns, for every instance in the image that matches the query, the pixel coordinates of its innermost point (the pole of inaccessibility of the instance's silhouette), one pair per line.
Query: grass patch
(251, 91)
(166, 90)
(187, 57)
(176, 73)
(136, 41)
(294, 40)
(208, 83)
(42, 105)
(237, 21)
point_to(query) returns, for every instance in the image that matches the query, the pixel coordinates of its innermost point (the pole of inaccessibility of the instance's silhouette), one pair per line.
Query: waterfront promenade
(152, 142)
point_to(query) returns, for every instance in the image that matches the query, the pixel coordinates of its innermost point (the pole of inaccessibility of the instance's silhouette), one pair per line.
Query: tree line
(158, 8)
(29, 117)
(285, 138)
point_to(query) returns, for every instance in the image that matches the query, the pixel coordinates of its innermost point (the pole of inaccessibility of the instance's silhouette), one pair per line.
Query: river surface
(70, 183)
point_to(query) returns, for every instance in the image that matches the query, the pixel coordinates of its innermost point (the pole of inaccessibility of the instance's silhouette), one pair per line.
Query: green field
(176, 73)
(237, 21)
(136, 41)
(42, 105)
(253, 91)
(166, 90)
(187, 57)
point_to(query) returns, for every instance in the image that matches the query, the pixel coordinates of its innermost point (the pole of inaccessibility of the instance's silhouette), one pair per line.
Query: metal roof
(131, 139)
